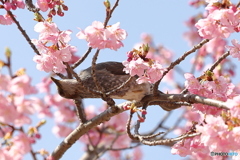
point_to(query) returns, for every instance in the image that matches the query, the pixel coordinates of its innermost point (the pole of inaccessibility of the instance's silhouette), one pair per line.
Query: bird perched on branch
(110, 76)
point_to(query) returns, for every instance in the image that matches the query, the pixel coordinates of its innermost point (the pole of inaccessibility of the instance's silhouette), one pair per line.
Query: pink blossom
(61, 130)
(191, 83)
(116, 32)
(65, 114)
(5, 19)
(155, 72)
(99, 37)
(20, 141)
(235, 49)
(57, 101)
(4, 82)
(64, 54)
(43, 5)
(20, 4)
(8, 113)
(142, 79)
(4, 154)
(135, 67)
(64, 37)
(219, 87)
(137, 154)
(21, 85)
(182, 148)
(236, 138)
(215, 134)
(44, 85)
(41, 108)
(21, 120)
(44, 62)
(205, 109)
(51, 57)
(7, 6)
(234, 105)
(23, 105)
(219, 23)
(46, 28)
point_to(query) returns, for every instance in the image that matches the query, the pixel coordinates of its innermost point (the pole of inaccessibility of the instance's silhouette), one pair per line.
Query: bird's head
(67, 88)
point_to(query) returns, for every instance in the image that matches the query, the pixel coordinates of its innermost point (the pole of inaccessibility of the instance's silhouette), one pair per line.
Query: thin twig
(109, 14)
(220, 59)
(68, 69)
(119, 87)
(125, 148)
(81, 83)
(165, 117)
(30, 6)
(23, 33)
(33, 155)
(80, 110)
(93, 72)
(179, 60)
(76, 64)
(100, 89)
(129, 127)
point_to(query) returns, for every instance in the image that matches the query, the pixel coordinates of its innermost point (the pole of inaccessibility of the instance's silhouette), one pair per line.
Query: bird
(110, 75)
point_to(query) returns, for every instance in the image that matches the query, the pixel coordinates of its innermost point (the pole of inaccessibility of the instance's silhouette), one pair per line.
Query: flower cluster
(220, 22)
(5, 19)
(15, 110)
(235, 49)
(102, 37)
(219, 89)
(109, 134)
(53, 47)
(44, 5)
(10, 5)
(219, 133)
(14, 4)
(145, 68)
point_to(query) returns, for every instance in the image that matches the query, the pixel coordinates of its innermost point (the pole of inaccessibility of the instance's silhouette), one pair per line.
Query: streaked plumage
(110, 75)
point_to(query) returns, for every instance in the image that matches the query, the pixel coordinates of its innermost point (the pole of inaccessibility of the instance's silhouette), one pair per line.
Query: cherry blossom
(138, 63)
(5, 19)
(53, 46)
(235, 49)
(99, 37)
(220, 23)
(61, 130)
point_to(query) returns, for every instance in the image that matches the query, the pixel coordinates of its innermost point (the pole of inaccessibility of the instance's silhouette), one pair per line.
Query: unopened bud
(8, 52)
(107, 4)
(42, 122)
(8, 135)
(21, 72)
(145, 48)
(38, 17)
(1, 64)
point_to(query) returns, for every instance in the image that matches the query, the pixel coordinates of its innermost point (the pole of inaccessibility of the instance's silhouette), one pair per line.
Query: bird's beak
(56, 81)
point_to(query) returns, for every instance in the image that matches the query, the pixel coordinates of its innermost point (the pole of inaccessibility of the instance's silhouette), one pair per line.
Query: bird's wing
(115, 68)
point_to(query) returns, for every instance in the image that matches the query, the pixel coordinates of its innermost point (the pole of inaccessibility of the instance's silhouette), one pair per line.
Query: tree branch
(23, 33)
(76, 64)
(179, 60)
(84, 128)
(189, 98)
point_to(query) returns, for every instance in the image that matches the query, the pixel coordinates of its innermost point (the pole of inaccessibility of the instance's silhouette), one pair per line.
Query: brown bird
(110, 75)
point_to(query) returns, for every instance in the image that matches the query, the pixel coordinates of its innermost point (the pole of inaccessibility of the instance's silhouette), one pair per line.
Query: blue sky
(164, 20)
